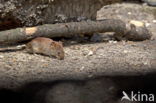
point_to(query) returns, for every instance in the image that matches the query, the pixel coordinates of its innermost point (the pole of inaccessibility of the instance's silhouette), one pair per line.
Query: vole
(42, 45)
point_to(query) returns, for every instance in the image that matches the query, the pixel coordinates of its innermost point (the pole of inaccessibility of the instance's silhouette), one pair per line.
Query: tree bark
(69, 29)
(19, 13)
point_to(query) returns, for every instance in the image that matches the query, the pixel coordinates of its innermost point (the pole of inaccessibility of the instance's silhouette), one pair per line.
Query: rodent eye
(59, 53)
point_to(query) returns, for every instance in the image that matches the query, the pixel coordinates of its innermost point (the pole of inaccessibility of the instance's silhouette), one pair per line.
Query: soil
(84, 61)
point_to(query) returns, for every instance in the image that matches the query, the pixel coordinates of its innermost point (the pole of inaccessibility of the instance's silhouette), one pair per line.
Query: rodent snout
(60, 55)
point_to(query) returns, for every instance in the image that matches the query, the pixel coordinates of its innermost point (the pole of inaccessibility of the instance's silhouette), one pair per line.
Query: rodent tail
(12, 48)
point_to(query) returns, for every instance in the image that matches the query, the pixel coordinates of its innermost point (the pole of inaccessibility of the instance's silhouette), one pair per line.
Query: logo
(140, 97)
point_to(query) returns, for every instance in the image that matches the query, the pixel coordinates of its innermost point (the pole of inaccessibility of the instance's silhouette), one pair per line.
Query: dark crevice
(9, 23)
(36, 92)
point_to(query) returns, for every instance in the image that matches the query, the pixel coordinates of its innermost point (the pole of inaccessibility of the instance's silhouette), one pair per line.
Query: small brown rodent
(40, 45)
(46, 46)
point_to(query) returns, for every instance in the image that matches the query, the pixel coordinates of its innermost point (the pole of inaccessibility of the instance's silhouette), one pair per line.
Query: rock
(150, 2)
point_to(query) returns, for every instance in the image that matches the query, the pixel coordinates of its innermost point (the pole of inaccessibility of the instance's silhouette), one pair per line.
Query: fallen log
(69, 29)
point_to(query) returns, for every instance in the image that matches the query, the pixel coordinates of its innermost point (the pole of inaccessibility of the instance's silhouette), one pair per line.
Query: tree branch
(69, 29)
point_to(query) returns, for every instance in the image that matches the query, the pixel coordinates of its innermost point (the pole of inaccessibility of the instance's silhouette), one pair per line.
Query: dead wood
(18, 13)
(69, 29)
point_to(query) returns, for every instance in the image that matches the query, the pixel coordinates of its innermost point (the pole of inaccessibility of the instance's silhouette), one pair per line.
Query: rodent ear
(53, 43)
